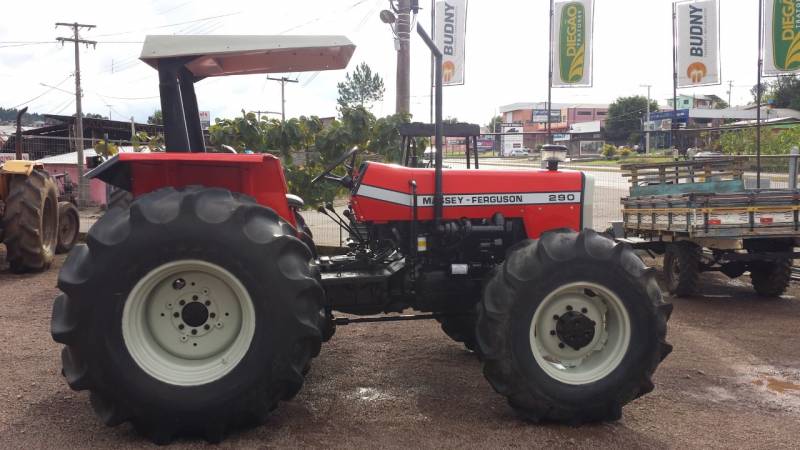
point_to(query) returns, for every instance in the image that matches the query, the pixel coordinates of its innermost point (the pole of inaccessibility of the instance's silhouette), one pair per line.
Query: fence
(41, 147)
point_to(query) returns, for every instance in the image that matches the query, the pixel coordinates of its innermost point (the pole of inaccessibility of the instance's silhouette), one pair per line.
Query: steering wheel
(346, 180)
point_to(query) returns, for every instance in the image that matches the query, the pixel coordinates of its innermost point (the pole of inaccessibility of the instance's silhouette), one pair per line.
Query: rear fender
(258, 175)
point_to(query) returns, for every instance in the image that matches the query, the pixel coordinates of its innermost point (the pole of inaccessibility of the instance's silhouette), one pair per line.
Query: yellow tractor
(28, 215)
(28, 212)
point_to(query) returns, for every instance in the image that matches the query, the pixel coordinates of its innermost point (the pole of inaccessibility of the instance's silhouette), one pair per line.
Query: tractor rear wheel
(572, 327)
(69, 224)
(682, 268)
(31, 222)
(771, 278)
(191, 313)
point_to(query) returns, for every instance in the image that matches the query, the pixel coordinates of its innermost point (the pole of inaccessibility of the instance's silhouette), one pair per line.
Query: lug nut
(178, 284)
(194, 331)
(584, 310)
(569, 308)
(180, 327)
(208, 303)
(552, 332)
(555, 317)
(560, 345)
(194, 297)
(182, 302)
(175, 315)
(206, 326)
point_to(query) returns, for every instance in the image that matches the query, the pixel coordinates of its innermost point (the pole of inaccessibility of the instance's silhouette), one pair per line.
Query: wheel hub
(188, 322)
(195, 314)
(575, 329)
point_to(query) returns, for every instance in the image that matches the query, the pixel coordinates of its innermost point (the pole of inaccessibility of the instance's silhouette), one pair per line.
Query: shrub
(609, 151)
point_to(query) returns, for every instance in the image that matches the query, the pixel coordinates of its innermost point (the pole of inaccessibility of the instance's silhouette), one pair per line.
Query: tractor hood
(210, 56)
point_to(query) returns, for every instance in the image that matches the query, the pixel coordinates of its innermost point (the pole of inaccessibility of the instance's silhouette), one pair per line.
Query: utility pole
(647, 132)
(730, 89)
(283, 81)
(82, 187)
(403, 31)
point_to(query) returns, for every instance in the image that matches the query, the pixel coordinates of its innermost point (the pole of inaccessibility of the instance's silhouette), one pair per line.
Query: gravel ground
(733, 380)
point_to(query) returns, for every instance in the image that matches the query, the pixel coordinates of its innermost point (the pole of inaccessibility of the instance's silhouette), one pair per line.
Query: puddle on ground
(370, 394)
(778, 387)
(775, 385)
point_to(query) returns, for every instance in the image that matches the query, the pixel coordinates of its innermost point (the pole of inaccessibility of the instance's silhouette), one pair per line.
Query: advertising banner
(781, 30)
(540, 115)
(697, 42)
(512, 138)
(450, 35)
(572, 43)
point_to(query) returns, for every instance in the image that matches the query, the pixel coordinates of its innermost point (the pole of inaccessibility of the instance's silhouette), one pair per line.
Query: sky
(506, 54)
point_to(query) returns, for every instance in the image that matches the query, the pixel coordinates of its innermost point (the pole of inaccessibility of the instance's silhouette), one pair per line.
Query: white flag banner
(572, 43)
(697, 42)
(450, 34)
(781, 30)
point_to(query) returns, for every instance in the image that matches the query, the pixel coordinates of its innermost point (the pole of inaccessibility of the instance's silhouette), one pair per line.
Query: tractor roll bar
(438, 199)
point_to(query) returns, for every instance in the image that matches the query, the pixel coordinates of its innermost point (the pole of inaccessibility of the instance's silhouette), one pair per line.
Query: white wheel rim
(609, 342)
(188, 322)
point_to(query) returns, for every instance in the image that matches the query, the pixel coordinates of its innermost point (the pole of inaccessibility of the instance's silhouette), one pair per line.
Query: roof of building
(72, 157)
(543, 105)
(209, 56)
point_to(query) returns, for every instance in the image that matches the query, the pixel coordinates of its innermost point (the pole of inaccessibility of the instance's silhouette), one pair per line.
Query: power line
(169, 25)
(43, 93)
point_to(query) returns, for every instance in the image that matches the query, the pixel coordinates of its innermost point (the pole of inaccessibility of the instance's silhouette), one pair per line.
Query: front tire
(572, 327)
(69, 225)
(191, 313)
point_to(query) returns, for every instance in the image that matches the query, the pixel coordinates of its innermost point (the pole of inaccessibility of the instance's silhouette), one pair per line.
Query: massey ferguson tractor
(196, 309)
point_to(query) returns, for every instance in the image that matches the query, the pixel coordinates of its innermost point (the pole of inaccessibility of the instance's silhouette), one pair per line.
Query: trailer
(700, 216)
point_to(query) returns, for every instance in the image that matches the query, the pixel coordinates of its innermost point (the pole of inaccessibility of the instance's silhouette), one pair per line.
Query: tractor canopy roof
(210, 56)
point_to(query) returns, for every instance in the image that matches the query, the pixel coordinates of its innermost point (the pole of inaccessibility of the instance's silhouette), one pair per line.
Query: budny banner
(781, 37)
(450, 35)
(697, 43)
(572, 43)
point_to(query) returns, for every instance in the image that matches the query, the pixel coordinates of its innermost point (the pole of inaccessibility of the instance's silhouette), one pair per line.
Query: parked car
(518, 152)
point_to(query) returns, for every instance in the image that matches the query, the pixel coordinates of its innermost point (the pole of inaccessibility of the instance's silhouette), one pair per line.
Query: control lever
(353, 231)
(341, 224)
(349, 216)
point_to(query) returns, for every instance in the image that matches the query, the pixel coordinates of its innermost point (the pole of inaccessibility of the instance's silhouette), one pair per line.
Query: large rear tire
(572, 327)
(30, 222)
(69, 227)
(682, 268)
(191, 313)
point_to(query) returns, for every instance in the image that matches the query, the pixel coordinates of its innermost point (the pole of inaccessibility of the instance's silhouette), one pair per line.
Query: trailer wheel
(771, 278)
(30, 222)
(69, 225)
(572, 327)
(682, 268)
(191, 313)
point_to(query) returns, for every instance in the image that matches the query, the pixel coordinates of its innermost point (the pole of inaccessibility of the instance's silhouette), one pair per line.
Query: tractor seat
(295, 201)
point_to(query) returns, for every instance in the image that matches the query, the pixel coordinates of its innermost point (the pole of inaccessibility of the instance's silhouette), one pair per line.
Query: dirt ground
(733, 381)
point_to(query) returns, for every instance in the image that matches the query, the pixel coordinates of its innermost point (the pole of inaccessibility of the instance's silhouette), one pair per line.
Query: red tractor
(198, 307)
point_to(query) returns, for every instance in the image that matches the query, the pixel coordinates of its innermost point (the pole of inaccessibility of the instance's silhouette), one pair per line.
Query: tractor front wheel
(191, 313)
(69, 225)
(572, 327)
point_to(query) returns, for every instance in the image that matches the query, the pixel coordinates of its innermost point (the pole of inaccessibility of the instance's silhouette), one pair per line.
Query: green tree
(386, 140)
(495, 124)
(94, 116)
(624, 117)
(362, 88)
(285, 136)
(156, 119)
